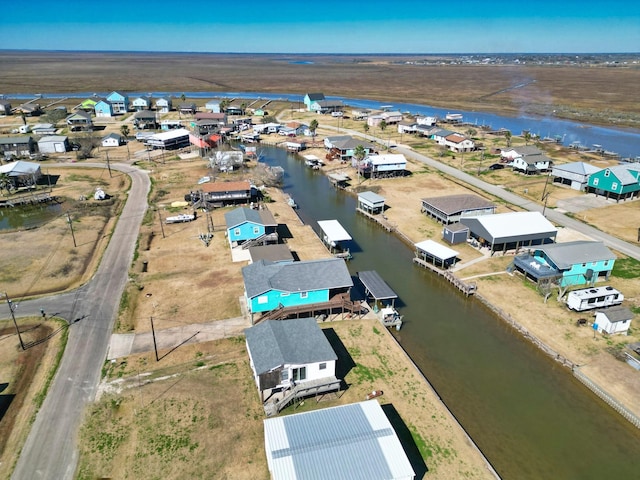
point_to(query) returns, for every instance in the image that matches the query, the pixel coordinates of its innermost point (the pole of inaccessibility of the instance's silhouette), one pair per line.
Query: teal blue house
(620, 182)
(269, 285)
(568, 264)
(311, 101)
(119, 102)
(103, 108)
(244, 224)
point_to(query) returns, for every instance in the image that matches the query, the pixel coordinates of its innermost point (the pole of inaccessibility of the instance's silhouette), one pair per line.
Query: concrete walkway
(125, 344)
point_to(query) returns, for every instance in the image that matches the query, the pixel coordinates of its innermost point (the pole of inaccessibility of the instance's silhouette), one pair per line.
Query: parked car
(496, 166)
(337, 114)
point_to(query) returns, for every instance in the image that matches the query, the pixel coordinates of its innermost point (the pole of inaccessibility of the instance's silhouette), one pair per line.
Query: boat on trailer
(182, 218)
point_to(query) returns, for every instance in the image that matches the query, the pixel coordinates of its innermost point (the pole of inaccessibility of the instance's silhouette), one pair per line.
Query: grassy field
(589, 94)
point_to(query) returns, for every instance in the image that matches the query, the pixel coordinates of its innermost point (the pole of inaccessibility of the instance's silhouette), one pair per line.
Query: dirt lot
(25, 378)
(163, 421)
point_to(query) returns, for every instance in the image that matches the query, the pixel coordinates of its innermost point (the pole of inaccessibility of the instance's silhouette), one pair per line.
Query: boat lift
(332, 235)
(383, 298)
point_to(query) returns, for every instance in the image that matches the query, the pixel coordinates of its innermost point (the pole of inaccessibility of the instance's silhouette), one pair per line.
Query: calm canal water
(25, 217)
(529, 416)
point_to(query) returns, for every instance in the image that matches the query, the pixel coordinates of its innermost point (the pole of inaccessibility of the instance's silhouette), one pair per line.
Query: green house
(620, 182)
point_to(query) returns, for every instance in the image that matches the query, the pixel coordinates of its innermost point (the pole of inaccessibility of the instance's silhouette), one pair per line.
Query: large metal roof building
(354, 442)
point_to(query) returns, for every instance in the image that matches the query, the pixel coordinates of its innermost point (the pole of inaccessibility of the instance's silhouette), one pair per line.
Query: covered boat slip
(436, 254)
(375, 286)
(333, 234)
(383, 296)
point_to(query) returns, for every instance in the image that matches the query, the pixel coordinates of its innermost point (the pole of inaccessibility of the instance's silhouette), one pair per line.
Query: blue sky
(329, 26)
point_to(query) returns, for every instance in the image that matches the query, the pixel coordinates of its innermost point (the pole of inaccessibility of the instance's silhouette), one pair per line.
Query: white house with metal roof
(286, 354)
(385, 165)
(355, 442)
(513, 230)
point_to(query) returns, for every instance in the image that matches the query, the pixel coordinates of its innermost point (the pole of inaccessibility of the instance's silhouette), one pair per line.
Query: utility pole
(109, 165)
(161, 226)
(13, 317)
(71, 227)
(155, 345)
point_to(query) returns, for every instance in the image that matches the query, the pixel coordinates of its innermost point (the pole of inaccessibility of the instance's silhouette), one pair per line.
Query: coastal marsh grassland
(594, 94)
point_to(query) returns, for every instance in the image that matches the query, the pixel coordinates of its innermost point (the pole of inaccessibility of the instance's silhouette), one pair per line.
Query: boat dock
(380, 219)
(375, 287)
(333, 234)
(464, 287)
(28, 199)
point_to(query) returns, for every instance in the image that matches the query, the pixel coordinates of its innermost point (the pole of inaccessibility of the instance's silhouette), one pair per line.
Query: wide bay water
(528, 415)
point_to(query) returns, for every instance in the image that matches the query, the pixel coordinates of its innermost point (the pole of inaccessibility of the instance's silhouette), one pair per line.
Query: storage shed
(355, 441)
(455, 233)
(613, 320)
(53, 144)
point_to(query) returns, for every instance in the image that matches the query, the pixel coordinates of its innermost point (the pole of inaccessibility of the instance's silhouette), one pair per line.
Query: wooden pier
(379, 219)
(28, 199)
(464, 287)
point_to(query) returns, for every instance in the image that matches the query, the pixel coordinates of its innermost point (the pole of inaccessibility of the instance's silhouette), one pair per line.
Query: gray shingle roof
(261, 276)
(274, 343)
(315, 96)
(450, 204)
(566, 254)
(241, 215)
(622, 173)
(617, 314)
(580, 168)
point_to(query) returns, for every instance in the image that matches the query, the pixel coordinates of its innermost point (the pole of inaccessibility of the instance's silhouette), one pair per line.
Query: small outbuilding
(455, 233)
(53, 144)
(112, 140)
(613, 320)
(575, 174)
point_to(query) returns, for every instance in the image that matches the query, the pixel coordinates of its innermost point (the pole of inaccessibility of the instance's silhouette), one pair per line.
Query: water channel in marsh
(530, 417)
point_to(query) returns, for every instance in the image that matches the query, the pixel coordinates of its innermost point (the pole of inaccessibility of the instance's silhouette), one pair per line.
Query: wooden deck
(464, 287)
(28, 199)
(341, 302)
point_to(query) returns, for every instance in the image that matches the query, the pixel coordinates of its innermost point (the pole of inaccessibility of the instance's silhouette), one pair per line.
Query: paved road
(50, 450)
(553, 215)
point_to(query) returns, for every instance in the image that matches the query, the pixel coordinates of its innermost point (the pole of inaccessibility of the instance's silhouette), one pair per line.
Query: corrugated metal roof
(333, 230)
(376, 285)
(354, 442)
(371, 197)
(512, 225)
(435, 249)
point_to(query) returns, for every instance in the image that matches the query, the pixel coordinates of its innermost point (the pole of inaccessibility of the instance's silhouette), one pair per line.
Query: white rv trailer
(589, 298)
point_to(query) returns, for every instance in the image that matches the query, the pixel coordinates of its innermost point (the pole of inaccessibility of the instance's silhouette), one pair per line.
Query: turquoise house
(569, 263)
(119, 101)
(244, 224)
(311, 101)
(103, 108)
(620, 182)
(269, 285)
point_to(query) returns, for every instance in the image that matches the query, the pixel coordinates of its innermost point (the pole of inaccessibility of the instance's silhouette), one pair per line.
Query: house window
(606, 173)
(584, 264)
(285, 374)
(322, 366)
(263, 299)
(236, 232)
(256, 230)
(284, 294)
(304, 294)
(614, 186)
(595, 182)
(606, 263)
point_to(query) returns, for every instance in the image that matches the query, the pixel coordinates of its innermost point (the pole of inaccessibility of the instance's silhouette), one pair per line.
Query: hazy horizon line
(314, 53)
